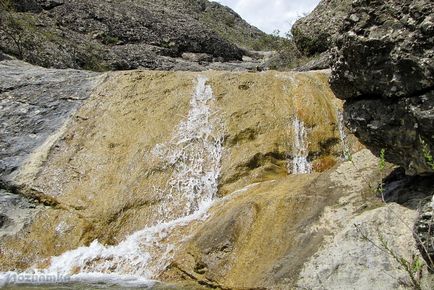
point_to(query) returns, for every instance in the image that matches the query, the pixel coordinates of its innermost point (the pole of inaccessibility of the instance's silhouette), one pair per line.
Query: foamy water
(300, 162)
(194, 153)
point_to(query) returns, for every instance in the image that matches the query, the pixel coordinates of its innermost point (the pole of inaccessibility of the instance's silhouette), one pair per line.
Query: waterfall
(346, 151)
(194, 155)
(300, 163)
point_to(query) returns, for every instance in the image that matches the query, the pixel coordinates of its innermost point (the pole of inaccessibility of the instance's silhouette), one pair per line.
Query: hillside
(111, 35)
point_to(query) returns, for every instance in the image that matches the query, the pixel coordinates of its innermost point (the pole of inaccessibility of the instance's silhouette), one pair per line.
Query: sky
(269, 15)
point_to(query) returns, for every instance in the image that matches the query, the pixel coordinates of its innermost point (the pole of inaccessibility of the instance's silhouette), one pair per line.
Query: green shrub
(427, 154)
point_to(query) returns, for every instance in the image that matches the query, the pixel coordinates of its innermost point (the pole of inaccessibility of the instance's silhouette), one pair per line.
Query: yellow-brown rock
(263, 235)
(103, 171)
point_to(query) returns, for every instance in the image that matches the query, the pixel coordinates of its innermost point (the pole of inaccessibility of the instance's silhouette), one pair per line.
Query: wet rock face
(104, 35)
(384, 68)
(302, 232)
(118, 164)
(110, 166)
(317, 32)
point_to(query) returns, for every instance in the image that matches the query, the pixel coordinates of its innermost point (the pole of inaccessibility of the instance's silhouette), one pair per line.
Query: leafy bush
(19, 30)
(287, 57)
(427, 154)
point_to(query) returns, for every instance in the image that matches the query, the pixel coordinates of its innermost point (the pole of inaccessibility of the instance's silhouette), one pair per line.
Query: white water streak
(142, 254)
(300, 162)
(195, 154)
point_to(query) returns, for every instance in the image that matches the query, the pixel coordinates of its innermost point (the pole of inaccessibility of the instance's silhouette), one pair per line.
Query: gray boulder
(384, 68)
(317, 32)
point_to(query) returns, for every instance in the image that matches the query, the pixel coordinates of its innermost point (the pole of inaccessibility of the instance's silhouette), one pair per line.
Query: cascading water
(142, 255)
(194, 154)
(300, 162)
(346, 151)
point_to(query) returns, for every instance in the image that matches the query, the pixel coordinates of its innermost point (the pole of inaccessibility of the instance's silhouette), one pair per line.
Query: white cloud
(269, 15)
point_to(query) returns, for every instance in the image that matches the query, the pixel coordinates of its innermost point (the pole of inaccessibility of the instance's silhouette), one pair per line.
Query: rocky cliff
(104, 35)
(385, 71)
(315, 35)
(383, 68)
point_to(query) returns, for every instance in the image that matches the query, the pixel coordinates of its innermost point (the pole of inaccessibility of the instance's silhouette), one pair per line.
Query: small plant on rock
(427, 154)
(413, 266)
(381, 167)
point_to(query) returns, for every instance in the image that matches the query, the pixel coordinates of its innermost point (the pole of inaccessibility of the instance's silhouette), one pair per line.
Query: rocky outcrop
(107, 35)
(35, 103)
(318, 31)
(384, 69)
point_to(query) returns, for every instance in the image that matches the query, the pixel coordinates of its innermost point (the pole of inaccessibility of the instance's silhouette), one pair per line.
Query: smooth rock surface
(356, 258)
(311, 240)
(35, 102)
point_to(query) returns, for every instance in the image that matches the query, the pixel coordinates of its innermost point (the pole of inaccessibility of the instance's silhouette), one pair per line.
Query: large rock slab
(357, 257)
(35, 102)
(302, 232)
(109, 170)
